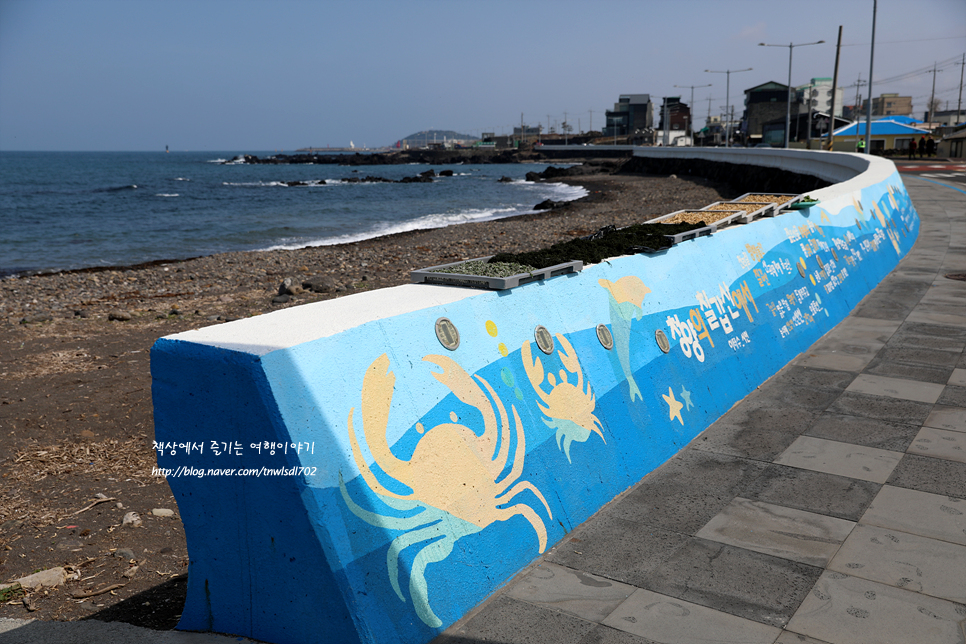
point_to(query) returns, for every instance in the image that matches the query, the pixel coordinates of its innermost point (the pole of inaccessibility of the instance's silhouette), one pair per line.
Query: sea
(71, 210)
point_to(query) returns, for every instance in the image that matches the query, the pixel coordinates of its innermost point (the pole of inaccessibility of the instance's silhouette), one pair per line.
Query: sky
(252, 75)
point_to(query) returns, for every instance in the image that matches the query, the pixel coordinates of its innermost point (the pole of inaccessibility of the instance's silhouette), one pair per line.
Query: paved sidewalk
(828, 506)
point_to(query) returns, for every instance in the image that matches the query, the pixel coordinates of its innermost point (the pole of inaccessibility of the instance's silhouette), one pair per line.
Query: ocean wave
(181, 179)
(167, 194)
(117, 188)
(439, 220)
(217, 160)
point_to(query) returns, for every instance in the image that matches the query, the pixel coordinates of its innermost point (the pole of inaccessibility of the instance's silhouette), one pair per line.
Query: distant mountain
(436, 136)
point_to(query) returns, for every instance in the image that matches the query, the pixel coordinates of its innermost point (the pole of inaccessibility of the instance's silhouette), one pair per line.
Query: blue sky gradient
(253, 75)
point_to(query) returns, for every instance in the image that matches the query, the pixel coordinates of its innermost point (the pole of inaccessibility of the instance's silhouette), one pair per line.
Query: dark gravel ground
(75, 386)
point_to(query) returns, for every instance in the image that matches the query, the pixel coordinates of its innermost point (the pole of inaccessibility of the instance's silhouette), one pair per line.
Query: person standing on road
(860, 146)
(912, 149)
(930, 147)
(922, 145)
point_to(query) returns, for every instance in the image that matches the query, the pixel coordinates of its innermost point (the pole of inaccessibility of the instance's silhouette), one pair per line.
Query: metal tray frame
(691, 234)
(775, 208)
(428, 276)
(744, 217)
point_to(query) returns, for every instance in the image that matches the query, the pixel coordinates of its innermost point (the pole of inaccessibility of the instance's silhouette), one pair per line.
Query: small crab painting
(455, 475)
(569, 407)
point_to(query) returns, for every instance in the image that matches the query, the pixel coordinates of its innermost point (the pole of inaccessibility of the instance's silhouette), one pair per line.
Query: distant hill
(435, 136)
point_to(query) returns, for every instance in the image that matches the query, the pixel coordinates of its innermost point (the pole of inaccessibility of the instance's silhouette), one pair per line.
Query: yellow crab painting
(453, 475)
(569, 407)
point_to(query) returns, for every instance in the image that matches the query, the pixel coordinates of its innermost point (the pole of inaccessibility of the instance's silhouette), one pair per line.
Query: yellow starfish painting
(673, 405)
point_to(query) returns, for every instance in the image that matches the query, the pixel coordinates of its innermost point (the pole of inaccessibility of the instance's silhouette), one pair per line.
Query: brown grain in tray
(746, 207)
(694, 216)
(778, 199)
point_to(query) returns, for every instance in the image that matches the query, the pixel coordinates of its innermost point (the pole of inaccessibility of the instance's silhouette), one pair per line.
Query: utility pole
(808, 134)
(728, 73)
(687, 127)
(565, 128)
(932, 97)
(835, 83)
(868, 111)
(959, 105)
(591, 120)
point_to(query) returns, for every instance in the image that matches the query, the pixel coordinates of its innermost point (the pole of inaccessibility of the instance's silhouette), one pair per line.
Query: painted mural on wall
(445, 472)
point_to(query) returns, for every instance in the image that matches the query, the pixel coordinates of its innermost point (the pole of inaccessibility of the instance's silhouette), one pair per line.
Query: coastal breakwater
(370, 468)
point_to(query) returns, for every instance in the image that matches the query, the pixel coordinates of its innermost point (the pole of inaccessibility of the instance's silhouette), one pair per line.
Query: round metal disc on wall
(544, 339)
(835, 255)
(606, 339)
(447, 334)
(662, 341)
(801, 267)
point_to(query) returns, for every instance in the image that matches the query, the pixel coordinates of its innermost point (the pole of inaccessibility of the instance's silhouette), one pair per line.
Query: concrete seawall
(383, 484)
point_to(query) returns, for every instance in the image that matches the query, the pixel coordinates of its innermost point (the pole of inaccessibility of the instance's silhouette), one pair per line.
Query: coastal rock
(131, 520)
(446, 173)
(290, 286)
(546, 204)
(428, 173)
(320, 284)
(281, 299)
(36, 318)
(44, 579)
(506, 179)
(422, 178)
(119, 314)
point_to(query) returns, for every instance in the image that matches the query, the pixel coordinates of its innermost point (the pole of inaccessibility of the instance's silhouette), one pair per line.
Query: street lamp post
(728, 73)
(691, 108)
(788, 113)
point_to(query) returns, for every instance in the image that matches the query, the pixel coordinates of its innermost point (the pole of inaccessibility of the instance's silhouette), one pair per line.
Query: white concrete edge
(289, 327)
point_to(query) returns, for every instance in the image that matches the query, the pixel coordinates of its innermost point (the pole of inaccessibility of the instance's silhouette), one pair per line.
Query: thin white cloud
(755, 32)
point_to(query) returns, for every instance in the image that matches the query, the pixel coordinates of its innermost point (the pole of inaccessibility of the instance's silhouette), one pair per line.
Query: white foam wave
(163, 194)
(181, 179)
(441, 220)
(217, 160)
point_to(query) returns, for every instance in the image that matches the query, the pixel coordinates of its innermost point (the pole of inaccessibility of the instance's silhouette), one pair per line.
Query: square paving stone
(896, 388)
(919, 356)
(843, 459)
(940, 443)
(571, 591)
(601, 634)
(910, 371)
(799, 376)
(684, 493)
(953, 418)
(958, 378)
(500, 620)
(904, 560)
(668, 620)
(828, 494)
(837, 360)
(938, 330)
(755, 431)
(616, 548)
(782, 392)
(930, 475)
(733, 580)
(953, 396)
(907, 340)
(870, 432)
(889, 409)
(848, 610)
(775, 530)
(922, 513)
(939, 319)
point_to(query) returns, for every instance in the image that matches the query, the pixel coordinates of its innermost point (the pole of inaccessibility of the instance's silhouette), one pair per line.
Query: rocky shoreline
(76, 423)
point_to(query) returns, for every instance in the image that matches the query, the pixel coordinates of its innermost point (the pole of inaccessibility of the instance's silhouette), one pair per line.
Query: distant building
(889, 105)
(633, 114)
(527, 131)
(886, 135)
(819, 91)
(773, 132)
(764, 103)
(949, 117)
